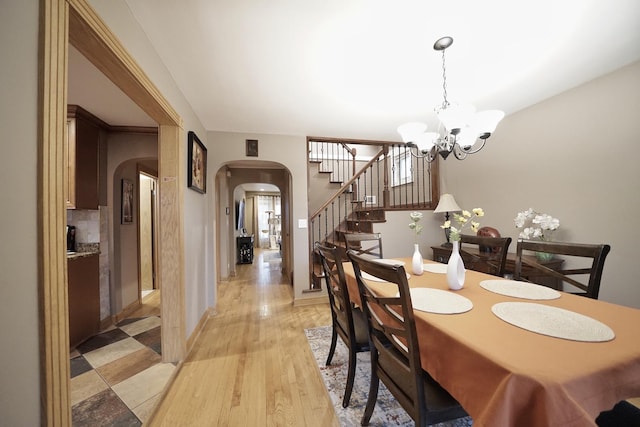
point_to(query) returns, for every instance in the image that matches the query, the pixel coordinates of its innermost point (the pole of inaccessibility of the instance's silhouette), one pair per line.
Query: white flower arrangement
(417, 228)
(463, 219)
(535, 225)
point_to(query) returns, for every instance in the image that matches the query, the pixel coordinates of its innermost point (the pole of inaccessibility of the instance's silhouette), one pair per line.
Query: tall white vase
(455, 268)
(416, 261)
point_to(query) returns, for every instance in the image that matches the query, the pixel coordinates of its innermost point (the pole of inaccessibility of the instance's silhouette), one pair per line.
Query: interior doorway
(147, 231)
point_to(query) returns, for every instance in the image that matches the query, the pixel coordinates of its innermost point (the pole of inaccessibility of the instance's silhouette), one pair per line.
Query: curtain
(268, 207)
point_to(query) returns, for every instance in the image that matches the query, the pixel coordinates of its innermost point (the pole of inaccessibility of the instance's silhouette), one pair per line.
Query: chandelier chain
(445, 102)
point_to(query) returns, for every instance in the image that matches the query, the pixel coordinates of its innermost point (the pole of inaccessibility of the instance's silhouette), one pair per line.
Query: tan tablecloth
(506, 376)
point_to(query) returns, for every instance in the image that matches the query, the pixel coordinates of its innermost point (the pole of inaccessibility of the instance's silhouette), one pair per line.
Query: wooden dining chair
(622, 414)
(585, 261)
(395, 354)
(369, 244)
(347, 322)
(489, 255)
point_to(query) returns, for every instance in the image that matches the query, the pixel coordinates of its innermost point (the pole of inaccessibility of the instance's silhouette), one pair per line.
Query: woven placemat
(553, 321)
(435, 268)
(517, 289)
(439, 301)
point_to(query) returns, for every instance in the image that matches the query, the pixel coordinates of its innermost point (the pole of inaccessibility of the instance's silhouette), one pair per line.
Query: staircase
(390, 178)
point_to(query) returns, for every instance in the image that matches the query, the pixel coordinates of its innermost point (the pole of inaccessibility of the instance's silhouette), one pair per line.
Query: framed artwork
(197, 177)
(127, 202)
(252, 147)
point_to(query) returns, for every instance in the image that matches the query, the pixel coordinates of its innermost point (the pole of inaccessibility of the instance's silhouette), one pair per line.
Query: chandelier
(462, 130)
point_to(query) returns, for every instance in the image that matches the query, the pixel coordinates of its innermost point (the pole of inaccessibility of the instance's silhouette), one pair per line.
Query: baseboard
(198, 329)
(107, 322)
(127, 311)
(321, 299)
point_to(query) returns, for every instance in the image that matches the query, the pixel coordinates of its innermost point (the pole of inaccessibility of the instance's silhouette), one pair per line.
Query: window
(401, 169)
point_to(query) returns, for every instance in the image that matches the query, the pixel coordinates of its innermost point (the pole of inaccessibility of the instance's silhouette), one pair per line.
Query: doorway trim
(75, 22)
(142, 170)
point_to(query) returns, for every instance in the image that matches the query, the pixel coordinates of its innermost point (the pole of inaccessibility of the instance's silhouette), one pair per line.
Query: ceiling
(359, 68)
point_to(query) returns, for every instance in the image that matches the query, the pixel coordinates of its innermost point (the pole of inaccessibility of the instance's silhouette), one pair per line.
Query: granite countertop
(84, 250)
(75, 255)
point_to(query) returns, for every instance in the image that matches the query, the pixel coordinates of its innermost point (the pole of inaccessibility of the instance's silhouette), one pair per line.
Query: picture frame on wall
(252, 147)
(197, 176)
(127, 202)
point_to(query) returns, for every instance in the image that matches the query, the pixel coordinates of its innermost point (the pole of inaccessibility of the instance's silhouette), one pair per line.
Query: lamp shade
(487, 121)
(447, 204)
(410, 131)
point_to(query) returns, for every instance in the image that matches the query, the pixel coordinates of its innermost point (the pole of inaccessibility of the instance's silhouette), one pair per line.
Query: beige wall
(124, 153)
(289, 151)
(572, 156)
(199, 217)
(19, 358)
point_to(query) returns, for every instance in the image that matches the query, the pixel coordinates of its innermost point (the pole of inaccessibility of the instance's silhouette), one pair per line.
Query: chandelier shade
(462, 130)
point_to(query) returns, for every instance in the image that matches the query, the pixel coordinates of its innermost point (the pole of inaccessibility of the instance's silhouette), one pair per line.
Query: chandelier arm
(459, 152)
(479, 145)
(429, 156)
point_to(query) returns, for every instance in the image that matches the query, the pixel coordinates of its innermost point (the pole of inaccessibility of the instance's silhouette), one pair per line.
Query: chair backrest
(391, 320)
(575, 254)
(489, 256)
(367, 244)
(338, 292)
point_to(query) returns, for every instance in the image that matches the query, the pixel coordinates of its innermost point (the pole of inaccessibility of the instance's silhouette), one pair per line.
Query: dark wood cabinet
(83, 139)
(442, 253)
(84, 298)
(244, 247)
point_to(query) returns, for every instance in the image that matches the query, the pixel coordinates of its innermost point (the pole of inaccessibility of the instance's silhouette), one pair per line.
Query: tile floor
(117, 377)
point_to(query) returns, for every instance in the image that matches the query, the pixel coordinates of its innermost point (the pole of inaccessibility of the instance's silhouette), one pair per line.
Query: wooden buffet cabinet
(83, 139)
(442, 253)
(84, 297)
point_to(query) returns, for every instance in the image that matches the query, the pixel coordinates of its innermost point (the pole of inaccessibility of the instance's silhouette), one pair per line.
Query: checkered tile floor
(117, 377)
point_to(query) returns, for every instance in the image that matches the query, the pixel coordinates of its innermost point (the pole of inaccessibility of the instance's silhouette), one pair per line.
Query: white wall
(19, 358)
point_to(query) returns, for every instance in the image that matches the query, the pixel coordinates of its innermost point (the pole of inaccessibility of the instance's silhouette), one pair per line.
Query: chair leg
(332, 348)
(350, 378)
(373, 398)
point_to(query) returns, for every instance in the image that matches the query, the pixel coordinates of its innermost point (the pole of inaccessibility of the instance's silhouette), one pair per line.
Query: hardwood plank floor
(251, 365)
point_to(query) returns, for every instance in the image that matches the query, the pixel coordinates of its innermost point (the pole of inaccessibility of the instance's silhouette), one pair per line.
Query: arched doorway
(228, 178)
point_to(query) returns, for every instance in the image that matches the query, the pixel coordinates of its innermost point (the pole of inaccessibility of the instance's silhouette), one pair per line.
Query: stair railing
(392, 179)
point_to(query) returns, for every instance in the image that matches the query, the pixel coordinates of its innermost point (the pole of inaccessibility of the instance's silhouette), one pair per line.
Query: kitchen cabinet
(83, 138)
(84, 298)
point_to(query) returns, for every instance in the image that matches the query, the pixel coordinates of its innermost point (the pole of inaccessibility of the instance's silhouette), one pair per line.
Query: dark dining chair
(489, 256)
(585, 261)
(395, 353)
(623, 414)
(348, 322)
(369, 244)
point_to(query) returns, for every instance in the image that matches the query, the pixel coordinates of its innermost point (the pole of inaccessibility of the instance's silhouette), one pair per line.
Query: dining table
(516, 354)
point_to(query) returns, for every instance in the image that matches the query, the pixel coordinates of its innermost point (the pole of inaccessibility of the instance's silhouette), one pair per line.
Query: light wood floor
(252, 366)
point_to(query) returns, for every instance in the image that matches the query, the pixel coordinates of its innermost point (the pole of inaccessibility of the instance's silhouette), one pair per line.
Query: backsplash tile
(87, 223)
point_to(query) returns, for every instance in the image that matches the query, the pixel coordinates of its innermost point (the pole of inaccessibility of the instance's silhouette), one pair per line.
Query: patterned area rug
(387, 412)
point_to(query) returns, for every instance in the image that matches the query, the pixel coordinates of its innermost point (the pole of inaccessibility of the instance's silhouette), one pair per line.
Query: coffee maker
(71, 238)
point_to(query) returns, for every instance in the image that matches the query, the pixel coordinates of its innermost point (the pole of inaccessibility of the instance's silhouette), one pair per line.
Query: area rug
(387, 412)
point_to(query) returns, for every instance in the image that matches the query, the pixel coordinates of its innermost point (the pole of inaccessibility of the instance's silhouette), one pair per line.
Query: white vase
(416, 261)
(455, 268)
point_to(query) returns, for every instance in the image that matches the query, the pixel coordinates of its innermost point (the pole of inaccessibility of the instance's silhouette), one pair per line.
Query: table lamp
(447, 204)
